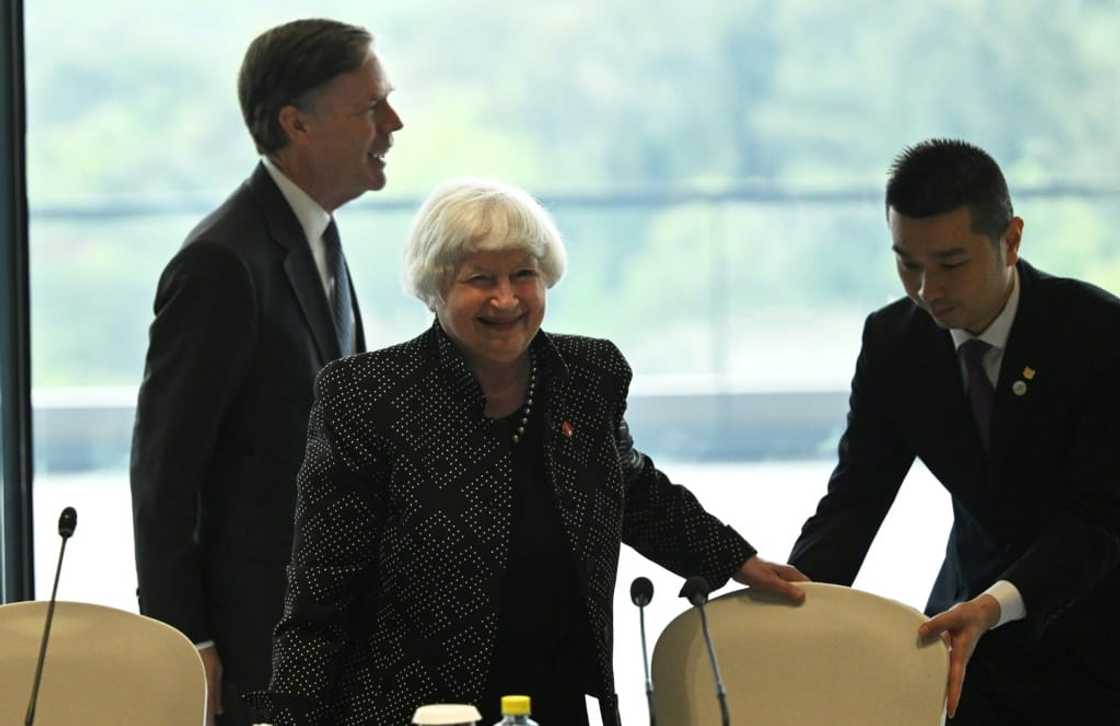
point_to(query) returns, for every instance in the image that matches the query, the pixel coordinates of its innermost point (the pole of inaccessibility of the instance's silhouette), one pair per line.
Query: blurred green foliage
(134, 102)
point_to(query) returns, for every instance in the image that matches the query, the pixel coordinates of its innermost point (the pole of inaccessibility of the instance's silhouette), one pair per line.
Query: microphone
(67, 523)
(696, 591)
(641, 593)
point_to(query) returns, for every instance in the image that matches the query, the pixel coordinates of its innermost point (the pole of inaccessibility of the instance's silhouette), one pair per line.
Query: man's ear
(295, 124)
(1012, 239)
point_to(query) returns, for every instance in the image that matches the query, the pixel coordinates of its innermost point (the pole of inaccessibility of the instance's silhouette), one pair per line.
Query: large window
(715, 166)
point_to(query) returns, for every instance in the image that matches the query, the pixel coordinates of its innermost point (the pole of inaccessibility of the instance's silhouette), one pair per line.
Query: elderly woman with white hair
(464, 495)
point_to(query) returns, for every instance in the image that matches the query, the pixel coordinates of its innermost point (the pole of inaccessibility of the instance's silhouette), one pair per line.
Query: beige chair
(841, 657)
(103, 666)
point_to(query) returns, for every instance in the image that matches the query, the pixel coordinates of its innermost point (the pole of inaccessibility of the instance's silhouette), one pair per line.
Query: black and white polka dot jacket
(403, 524)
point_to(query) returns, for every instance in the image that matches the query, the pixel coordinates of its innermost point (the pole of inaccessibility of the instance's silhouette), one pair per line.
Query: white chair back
(103, 666)
(841, 657)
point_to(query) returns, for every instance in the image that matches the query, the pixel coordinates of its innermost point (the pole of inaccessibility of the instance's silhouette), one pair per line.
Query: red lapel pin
(566, 429)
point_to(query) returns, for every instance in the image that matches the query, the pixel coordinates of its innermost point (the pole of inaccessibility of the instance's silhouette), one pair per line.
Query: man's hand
(961, 627)
(771, 577)
(212, 664)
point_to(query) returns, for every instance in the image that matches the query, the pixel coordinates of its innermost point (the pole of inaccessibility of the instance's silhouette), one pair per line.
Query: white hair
(464, 216)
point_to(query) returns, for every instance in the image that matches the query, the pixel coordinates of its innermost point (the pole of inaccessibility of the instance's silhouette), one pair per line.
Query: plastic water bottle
(515, 712)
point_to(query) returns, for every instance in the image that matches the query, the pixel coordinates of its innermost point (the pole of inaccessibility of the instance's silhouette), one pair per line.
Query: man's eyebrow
(383, 93)
(952, 252)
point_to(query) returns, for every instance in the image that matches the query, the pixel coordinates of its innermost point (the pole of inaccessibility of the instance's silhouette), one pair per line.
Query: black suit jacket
(404, 520)
(242, 326)
(1042, 510)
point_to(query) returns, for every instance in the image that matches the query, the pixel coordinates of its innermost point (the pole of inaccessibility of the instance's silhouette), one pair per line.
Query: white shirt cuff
(204, 644)
(1011, 606)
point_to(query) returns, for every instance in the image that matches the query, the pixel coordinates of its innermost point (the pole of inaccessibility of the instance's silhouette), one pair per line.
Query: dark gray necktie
(341, 303)
(980, 392)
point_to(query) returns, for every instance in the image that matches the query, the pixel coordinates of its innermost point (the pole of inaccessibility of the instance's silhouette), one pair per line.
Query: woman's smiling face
(493, 306)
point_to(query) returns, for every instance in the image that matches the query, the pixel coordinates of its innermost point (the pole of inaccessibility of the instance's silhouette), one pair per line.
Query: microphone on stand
(696, 591)
(641, 593)
(67, 522)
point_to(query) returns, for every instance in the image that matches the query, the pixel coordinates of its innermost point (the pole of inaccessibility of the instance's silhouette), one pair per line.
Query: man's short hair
(939, 175)
(465, 216)
(287, 65)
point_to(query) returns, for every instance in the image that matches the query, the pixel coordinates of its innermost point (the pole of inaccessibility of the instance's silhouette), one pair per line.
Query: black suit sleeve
(200, 346)
(1080, 546)
(873, 461)
(665, 522)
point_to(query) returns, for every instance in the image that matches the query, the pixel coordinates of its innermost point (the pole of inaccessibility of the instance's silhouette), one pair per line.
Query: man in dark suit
(254, 304)
(1003, 381)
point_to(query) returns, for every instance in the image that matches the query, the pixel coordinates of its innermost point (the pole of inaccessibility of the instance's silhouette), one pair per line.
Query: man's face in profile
(351, 125)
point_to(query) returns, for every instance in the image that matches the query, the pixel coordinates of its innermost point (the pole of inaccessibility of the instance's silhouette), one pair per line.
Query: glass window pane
(715, 167)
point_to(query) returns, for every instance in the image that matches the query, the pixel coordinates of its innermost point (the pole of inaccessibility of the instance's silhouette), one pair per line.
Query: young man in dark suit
(1005, 382)
(258, 299)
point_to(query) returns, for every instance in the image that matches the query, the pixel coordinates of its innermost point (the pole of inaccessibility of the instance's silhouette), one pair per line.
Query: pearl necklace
(528, 406)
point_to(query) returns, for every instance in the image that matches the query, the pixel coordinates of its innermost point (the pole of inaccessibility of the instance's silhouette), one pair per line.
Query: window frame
(17, 575)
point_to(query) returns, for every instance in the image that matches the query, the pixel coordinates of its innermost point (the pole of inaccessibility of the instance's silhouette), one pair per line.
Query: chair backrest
(103, 666)
(841, 657)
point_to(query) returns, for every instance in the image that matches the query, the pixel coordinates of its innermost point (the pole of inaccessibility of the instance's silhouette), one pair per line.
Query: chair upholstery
(841, 657)
(103, 666)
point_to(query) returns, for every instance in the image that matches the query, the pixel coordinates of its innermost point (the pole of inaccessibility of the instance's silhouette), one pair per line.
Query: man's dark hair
(287, 65)
(940, 175)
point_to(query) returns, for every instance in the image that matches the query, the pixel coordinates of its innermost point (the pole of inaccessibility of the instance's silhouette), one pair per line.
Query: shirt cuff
(1011, 606)
(210, 644)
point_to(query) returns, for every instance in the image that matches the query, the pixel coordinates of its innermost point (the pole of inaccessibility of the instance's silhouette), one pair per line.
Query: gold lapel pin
(1028, 373)
(1019, 388)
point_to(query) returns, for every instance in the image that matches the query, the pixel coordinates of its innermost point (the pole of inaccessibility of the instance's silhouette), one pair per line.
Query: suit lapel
(568, 478)
(566, 444)
(1023, 359)
(299, 265)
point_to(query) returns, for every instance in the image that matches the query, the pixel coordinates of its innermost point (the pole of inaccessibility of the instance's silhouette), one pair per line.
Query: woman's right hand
(771, 577)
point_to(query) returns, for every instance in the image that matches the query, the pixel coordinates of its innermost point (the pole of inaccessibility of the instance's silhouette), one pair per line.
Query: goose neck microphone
(67, 523)
(641, 593)
(696, 591)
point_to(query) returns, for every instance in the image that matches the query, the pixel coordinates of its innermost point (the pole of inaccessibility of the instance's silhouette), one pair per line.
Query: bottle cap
(515, 705)
(446, 714)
